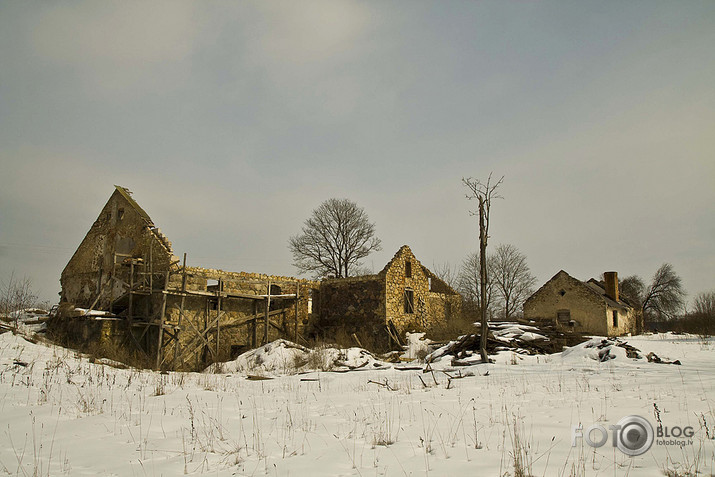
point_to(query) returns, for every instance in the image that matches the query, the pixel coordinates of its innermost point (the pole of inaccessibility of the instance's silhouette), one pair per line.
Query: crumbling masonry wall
(352, 305)
(432, 301)
(120, 232)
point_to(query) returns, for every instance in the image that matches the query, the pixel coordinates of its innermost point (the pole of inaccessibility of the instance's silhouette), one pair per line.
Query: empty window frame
(615, 318)
(120, 214)
(409, 300)
(563, 316)
(408, 269)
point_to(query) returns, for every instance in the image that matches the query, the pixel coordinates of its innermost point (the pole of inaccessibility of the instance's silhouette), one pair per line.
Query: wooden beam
(181, 307)
(254, 332)
(297, 301)
(218, 314)
(162, 312)
(179, 292)
(130, 311)
(201, 336)
(268, 305)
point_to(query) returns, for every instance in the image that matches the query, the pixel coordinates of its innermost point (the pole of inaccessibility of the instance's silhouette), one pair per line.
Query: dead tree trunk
(484, 329)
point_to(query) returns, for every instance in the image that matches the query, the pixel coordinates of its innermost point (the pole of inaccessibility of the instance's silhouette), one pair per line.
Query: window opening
(409, 301)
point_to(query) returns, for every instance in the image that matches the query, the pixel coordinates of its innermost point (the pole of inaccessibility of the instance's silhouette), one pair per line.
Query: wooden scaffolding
(147, 288)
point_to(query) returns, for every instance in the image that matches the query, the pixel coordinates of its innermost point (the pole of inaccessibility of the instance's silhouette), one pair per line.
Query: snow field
(60, 414)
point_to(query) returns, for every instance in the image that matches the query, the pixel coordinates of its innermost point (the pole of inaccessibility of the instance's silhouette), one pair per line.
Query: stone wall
(121, 229)
(397, 282)
(443, 308)
(351, 305)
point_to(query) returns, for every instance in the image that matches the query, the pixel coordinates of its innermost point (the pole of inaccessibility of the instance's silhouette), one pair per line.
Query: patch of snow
(417, 346)
(283, 357)
(64, 415)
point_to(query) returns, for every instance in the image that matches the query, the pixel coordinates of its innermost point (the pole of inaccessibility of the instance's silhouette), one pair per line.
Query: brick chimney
(611, 280)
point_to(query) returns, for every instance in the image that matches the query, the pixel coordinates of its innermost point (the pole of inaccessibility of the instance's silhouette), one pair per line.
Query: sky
(232, 121)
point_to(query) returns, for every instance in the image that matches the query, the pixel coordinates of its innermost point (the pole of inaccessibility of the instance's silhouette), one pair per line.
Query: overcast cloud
(230, 122)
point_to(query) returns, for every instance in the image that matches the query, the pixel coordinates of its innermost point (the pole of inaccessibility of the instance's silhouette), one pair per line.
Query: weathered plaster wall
(626, 321)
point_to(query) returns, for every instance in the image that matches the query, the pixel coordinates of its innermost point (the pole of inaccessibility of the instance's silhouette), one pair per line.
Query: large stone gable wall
(397, 281)
(119, 228)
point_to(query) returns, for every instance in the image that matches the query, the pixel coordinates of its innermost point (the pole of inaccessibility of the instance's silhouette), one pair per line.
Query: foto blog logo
(632, 435)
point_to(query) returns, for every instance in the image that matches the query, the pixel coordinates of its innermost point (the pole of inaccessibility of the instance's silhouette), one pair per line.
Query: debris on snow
(517, 337)
(606, 349)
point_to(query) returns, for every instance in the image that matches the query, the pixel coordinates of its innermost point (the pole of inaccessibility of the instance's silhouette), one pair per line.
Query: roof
(126, 193)
(599, 288)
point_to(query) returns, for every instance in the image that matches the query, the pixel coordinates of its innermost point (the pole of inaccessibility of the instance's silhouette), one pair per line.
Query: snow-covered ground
(62, 415)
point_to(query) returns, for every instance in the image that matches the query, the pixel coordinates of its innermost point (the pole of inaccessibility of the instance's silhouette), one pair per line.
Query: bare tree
(664, 297)
(704, 305)
(483, 193)
(334, 239)
(511, 277)
(15, 296)
(468, 284)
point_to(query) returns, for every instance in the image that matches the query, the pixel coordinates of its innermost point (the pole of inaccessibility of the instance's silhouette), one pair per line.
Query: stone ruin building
(404, 295)
(125, 287)
(592, 307)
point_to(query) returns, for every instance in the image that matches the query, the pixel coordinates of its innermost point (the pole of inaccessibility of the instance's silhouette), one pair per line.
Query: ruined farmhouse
(125, 287)
(404, 295)
(592, 307)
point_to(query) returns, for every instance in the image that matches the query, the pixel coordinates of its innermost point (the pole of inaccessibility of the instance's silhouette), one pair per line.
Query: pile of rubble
(606, 345)
(509, 336)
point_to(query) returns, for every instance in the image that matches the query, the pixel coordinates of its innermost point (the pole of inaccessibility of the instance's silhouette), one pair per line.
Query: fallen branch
(385, 384)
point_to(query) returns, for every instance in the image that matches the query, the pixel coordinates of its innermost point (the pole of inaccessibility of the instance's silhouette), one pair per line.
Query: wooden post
(297, 299)
(111, 284)
(131, 292)
(218, 318)
(268, 306)
(181, 308)
(151, 269)
(254, 335)
(161, 322)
